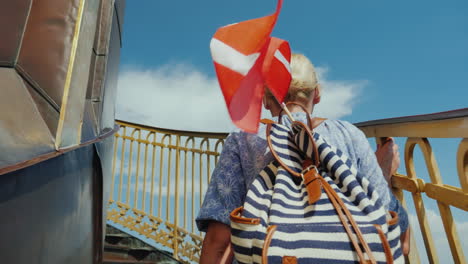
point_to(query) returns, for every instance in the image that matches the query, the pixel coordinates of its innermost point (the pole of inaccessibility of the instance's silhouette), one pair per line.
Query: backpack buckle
(309, 168)
(311, 179)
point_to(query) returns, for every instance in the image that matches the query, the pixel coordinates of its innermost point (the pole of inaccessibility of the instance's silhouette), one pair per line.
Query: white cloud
(338, 97)
(175, 96)
(438, 235)
(179, 96)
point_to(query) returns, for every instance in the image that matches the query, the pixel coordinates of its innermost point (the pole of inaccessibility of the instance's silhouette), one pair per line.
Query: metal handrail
(159, 177)
(418, 130)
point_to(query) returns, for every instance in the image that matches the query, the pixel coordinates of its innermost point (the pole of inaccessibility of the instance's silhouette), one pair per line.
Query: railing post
(418, 199)
(116, 139)
(176, 199)
(122, 161)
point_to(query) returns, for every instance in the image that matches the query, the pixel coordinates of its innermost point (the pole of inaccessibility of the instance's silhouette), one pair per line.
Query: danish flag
(246, 59)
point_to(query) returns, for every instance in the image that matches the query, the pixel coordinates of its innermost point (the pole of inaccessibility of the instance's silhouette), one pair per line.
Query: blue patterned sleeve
(226, 190)
(396, 206)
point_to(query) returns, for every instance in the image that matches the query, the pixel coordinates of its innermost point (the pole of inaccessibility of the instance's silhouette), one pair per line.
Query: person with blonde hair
(304, 88)
(244, 155)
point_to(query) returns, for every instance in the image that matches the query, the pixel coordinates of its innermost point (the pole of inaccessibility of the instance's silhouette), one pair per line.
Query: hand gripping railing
(418, 130)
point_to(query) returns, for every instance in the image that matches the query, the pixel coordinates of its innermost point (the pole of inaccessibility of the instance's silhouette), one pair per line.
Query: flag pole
(284, 107)
(286, 110)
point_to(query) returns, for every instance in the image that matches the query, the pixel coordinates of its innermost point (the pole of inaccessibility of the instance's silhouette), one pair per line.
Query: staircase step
(116, 238)
(123, 248)
(109, 258)
(106, 261)
(115, 259)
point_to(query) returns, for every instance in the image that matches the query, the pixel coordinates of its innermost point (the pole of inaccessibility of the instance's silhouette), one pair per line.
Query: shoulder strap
(267, 121)
(344, 215)
(315, 122)
(347, 219)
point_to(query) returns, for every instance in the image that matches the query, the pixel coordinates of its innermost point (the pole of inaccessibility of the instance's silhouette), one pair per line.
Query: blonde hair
(304, 80)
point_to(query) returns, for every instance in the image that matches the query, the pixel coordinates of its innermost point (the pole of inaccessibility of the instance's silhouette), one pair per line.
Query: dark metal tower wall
(58, 77)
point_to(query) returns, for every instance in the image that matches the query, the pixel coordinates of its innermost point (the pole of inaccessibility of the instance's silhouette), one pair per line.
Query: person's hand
(388, 158)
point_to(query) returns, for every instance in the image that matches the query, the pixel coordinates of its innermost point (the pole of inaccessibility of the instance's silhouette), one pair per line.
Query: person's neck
(291, 108)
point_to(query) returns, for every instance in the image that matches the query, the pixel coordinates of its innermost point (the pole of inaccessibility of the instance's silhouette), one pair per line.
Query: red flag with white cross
(247, 58)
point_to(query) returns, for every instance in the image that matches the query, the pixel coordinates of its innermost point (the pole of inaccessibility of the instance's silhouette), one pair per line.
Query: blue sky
(377, 59)
(412, 54)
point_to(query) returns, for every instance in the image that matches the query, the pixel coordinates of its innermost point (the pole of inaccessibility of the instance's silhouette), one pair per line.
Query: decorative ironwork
(159, 179)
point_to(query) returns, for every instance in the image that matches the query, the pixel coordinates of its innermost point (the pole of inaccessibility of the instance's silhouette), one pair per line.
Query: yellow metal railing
(417, 131)
(161, 175)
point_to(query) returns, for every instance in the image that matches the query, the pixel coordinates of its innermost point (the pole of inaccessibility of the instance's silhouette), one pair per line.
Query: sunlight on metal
(164, 174)
(164, 205)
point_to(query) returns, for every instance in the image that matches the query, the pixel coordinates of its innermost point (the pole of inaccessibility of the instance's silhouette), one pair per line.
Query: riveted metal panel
(13, 17)
(47, 45)
(23, 133)
(47, 211)
(74, 93)
(47, 111)
(112, 72)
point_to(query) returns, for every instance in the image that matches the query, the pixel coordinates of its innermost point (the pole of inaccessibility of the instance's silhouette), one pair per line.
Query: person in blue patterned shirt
(244, 155)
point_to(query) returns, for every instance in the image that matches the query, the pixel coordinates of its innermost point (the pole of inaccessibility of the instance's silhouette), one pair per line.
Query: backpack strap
(267, 121)
(341, 208)
(315, 122)
(298, 104)
(309, 174)
(344, 215)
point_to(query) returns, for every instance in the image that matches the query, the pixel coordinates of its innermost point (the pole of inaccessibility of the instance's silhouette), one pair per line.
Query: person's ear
(317, 94)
